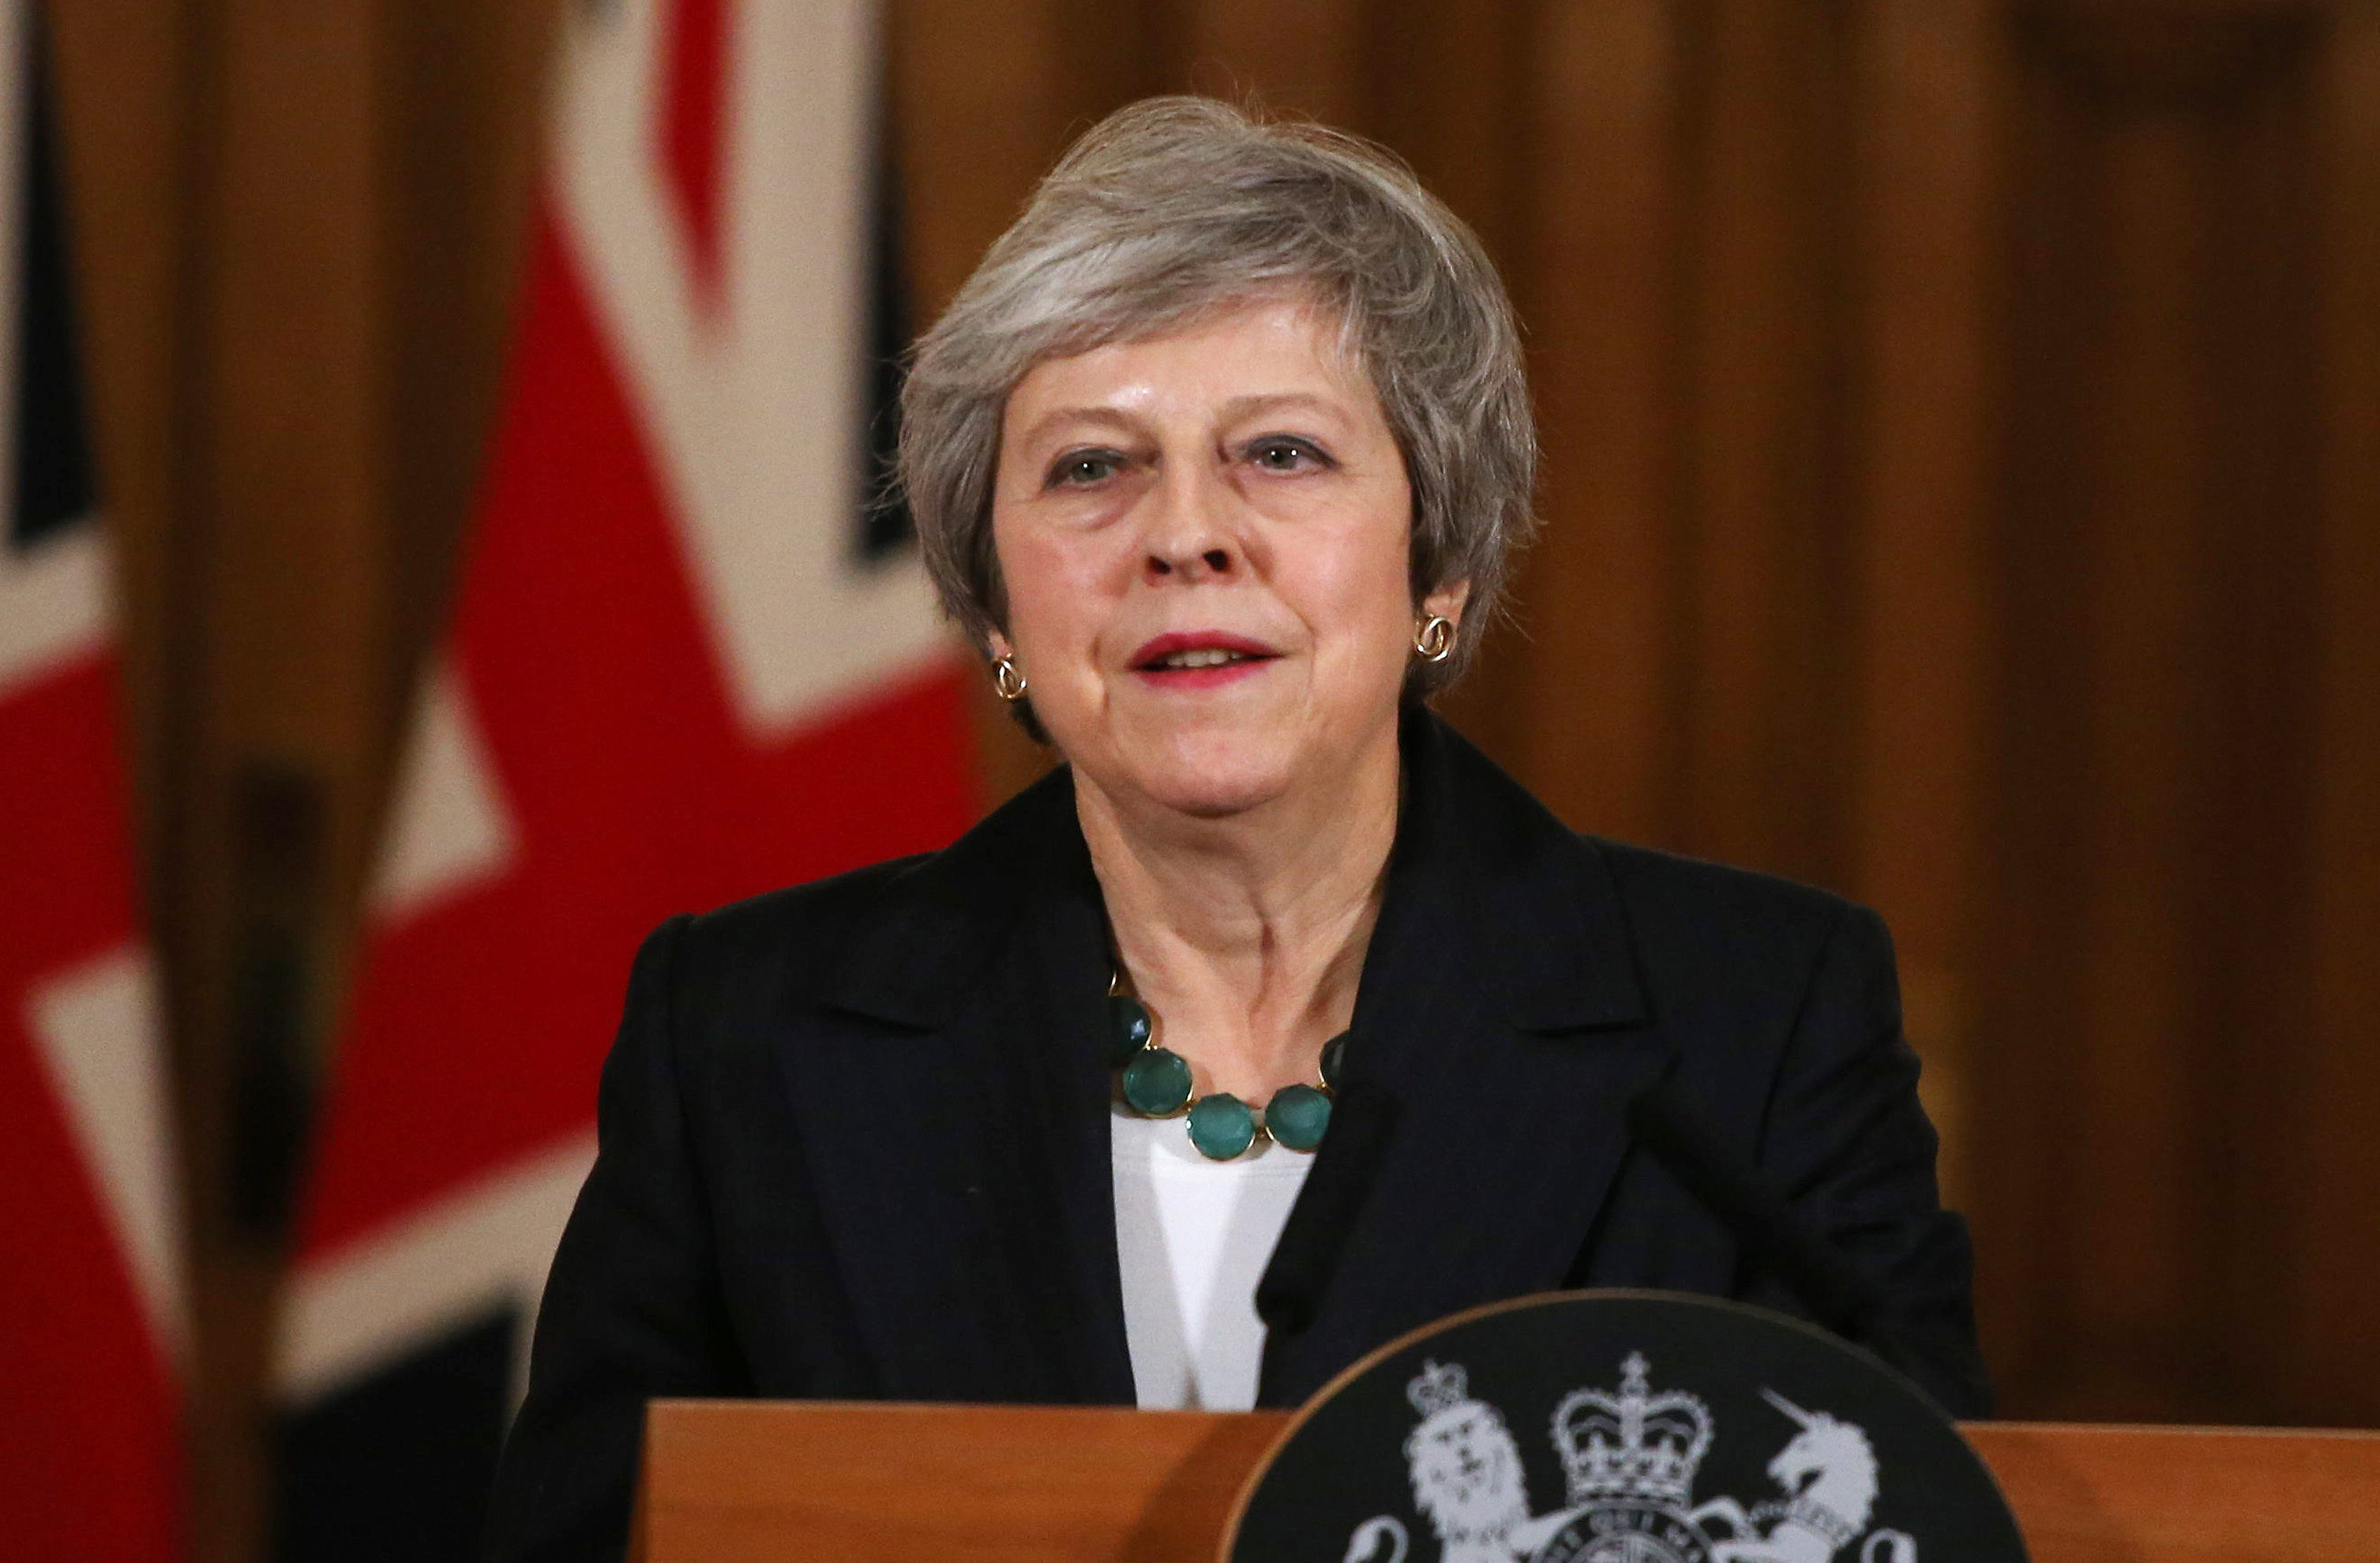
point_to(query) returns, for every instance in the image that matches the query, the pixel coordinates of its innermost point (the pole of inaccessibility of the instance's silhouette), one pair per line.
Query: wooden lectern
(743, 1481)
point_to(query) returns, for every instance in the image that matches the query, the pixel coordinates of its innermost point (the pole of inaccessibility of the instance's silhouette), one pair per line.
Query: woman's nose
(1190, 538)
(1193, 565)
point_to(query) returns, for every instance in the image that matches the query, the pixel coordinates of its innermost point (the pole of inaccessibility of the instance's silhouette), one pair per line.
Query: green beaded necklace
(1155, 1082)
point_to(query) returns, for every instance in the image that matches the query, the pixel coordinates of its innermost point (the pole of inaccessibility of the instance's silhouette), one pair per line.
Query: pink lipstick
(1200, 659)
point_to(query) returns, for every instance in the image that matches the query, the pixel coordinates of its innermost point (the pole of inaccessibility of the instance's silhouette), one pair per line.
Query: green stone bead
(1297, 1116)
(1157, 1082)
(1127, 1029)
(1221, 1126)
(1334, 1060)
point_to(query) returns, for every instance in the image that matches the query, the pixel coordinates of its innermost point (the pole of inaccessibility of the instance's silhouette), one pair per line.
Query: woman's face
(1204, 539)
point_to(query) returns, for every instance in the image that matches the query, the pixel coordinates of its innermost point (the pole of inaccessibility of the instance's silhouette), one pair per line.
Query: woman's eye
(1284, 456)
(1078, 468)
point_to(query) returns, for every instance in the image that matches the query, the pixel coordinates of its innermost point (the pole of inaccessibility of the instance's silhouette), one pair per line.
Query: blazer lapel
(1073, 1079)
(954, 1112)
(1500, 1021)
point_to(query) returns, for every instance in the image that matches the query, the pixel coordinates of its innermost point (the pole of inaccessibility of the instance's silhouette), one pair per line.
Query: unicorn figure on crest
(1828, 1473)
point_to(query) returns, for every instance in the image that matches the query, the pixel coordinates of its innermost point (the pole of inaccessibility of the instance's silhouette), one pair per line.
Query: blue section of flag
(53, 487)
(395, 1467)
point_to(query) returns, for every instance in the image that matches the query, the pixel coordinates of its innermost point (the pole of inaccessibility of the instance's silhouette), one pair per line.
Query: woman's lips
(1212, 678)
(1200, 660)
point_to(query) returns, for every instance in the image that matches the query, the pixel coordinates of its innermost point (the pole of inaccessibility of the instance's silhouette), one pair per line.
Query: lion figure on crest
(1467, 1477)
(1466, 1468)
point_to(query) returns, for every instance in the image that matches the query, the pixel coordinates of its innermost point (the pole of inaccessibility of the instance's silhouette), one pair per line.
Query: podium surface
(743, 1481)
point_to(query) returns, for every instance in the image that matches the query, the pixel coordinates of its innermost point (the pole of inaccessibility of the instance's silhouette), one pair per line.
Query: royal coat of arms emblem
(1629, 1460)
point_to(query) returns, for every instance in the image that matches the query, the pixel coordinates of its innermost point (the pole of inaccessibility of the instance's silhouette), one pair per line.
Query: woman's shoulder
(1656, 879)
(1696, 921)
(1756, 979)
(1686, 921)
(790, 933)
(879, 937)
(811, 906)
(728, 971)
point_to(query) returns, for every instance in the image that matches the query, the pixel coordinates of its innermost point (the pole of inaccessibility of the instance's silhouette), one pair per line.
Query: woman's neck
(1245, 936)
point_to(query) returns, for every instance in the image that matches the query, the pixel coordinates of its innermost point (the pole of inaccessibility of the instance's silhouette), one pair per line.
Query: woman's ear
(1448, 599)
(999, 646)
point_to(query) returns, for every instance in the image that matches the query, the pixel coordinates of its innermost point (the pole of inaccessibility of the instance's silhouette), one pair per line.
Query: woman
(1221, 457)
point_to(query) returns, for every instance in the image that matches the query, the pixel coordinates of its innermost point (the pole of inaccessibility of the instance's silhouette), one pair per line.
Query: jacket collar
(1480, 864)
(1473, 849)
(946, 919)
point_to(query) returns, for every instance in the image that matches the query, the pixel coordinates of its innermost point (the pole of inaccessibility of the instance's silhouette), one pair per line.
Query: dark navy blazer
(853, 1135)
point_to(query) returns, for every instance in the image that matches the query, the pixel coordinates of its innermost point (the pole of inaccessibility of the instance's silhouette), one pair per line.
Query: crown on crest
(1631, 1445)
(1436, 1388)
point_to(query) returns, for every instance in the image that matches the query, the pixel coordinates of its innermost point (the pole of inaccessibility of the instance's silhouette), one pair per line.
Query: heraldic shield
(1622, 1427)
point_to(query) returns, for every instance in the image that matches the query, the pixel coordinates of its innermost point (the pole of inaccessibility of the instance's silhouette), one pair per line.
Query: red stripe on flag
(478, 1025)
(65, 849)
(694, 96)
(89, 1450)
(90, 1454)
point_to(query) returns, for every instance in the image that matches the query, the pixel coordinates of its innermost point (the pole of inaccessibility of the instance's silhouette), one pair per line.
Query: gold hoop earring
(1434, 640)
(1007, 681)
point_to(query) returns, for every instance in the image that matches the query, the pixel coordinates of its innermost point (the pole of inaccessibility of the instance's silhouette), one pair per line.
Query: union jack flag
(689, 661)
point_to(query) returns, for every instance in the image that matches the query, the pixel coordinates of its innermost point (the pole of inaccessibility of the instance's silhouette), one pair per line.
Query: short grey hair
(1175, 209)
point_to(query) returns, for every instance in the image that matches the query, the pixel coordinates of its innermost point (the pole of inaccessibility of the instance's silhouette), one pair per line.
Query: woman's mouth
(1200, 661)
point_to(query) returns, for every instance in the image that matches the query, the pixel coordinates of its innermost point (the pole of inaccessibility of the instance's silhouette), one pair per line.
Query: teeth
(1211, 656)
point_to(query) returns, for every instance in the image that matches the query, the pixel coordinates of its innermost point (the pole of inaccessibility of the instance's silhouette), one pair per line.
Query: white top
(1193, 1237)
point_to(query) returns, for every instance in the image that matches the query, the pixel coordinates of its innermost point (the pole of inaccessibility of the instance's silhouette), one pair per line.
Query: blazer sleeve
(1848, 1143)
(632, 1308)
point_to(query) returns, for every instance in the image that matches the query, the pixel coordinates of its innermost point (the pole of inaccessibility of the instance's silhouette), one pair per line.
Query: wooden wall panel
(1303, 56)
(1763, 505)
(2322, 1320)
(1596, 279)
(1932, 80)
(2143, 925)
